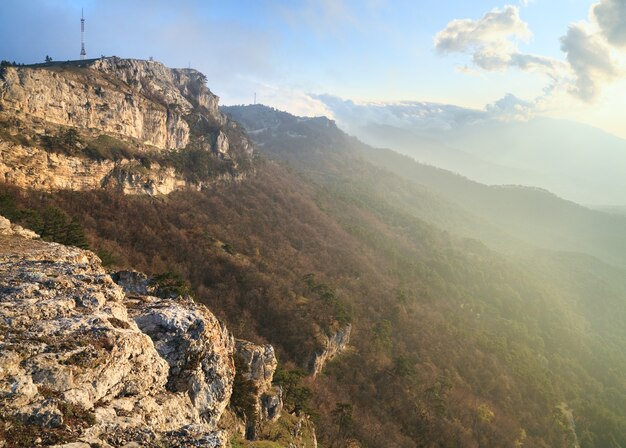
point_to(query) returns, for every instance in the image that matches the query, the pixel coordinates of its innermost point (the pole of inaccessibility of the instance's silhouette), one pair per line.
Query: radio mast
(83, 53)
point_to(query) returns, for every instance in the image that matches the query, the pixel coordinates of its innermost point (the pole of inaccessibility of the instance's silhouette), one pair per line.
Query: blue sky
(367, 51)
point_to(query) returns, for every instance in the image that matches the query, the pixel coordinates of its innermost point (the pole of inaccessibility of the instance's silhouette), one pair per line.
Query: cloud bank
(589, 57)
(422, 117)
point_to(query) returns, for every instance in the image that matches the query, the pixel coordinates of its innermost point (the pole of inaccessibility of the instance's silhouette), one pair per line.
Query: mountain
(319, 151)
(386, 320)
(502, 144)
(534, 215)
(433, 151)
(497, 215)
(576, 161)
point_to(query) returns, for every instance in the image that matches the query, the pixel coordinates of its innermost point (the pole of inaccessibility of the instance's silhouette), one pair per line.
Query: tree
(48, 59)
(343, 414)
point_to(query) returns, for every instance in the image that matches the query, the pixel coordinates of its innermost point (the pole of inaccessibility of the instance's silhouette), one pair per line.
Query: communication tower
(83, 53)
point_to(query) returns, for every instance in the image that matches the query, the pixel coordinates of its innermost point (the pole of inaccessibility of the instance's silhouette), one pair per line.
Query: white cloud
(495, 28)
(421, 116)
(610, 16)
(492, 42)
(590, 48)
(511, 108)
(590, 58)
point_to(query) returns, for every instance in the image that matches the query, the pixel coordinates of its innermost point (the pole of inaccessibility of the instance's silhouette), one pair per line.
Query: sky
(557, 58)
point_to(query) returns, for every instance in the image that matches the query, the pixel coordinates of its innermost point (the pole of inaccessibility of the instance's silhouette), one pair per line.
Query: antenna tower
(83, 53)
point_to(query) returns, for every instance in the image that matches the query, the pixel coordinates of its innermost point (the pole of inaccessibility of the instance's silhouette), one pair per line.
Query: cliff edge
(83, 362)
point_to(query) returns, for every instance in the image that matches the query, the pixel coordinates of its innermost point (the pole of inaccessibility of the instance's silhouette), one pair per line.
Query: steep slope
(576, 161)
(534, 215)
(451, 343)
(496, 215)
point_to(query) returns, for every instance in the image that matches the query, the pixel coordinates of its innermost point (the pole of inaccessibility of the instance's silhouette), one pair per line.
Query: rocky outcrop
(7, 228)
(143, 100)
(197, 347)
(82, 363)
(134, 283)
(31, 167)
(259, 364)
(334, 344)
(149, 108)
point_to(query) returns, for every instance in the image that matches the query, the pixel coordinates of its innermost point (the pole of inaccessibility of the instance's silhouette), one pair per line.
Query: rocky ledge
(84, 365)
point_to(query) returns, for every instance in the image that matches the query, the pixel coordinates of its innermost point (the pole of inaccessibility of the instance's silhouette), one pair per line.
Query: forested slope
(453, 344)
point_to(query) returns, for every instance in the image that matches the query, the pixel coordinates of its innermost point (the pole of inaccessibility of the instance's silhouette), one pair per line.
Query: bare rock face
(139, 99)
(260, 361)
(257, 365)
(7, 228)
(82, 363)
(32, 167)
(148, 107)
(260, 365)
(333, 345)
(197, 347)
(134, 283)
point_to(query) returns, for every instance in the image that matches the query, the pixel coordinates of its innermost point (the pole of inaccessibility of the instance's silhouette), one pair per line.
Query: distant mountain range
(576, 161)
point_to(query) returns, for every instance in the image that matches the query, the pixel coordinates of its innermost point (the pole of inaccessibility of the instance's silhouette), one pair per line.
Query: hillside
(391, 327)
(497, 215)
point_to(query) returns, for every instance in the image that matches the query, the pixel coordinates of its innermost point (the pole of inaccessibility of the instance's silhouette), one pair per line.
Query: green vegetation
(279, 434)
(197, 164)
(342, 312)
(296, 396)
(170, 285)
(51, 223)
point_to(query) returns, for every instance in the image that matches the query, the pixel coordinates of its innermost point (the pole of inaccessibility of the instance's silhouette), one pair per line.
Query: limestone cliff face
(81, 362)
(334, 344)
(148, 106)
(140, 99)
(260, 364)
(31, 167)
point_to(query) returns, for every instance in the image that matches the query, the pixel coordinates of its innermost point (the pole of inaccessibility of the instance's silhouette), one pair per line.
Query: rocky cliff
(83, 362)
(333, 345)
(258, 365)
(114, 123)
